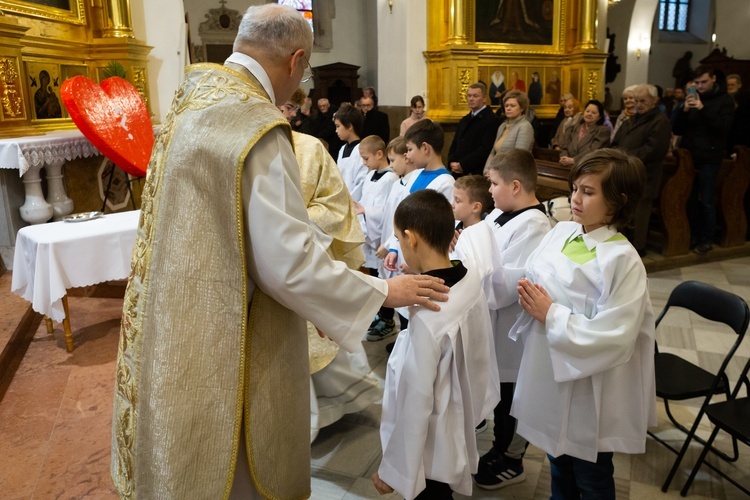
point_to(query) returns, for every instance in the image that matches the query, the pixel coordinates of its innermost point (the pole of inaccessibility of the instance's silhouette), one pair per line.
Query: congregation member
(588, 134)
(586, 382)
(238, 273)
(375, 122)
(516, 132)
(704, 125)
(417, 113)
(628, 109)
(571, 108)
(325, 129)
(475, 135)
(647, 136)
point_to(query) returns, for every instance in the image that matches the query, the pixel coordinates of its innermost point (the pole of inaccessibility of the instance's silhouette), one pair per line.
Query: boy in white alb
(441, 377)
(384, 324)
(517, 231)
(424, 145)
(586, 384)
(370, 208)
(348, 121)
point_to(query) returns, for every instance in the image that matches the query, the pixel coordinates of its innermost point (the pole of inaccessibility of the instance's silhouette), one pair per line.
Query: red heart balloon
(114, 118)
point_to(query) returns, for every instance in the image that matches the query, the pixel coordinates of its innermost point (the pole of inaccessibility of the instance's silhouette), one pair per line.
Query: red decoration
(114, 118)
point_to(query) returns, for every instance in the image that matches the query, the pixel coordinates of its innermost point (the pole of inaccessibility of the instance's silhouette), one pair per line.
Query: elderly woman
(646, 136)
(587, 134)
(417, 113)
(571, 108)
(628, 109)
(516, 131)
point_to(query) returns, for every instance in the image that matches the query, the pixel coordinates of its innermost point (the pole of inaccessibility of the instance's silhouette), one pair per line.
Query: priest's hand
(534, 299)
(409, 289)
(380, 485)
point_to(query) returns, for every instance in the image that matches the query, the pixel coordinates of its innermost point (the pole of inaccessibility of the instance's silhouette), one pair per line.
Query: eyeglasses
(308, 73)
(291, 107)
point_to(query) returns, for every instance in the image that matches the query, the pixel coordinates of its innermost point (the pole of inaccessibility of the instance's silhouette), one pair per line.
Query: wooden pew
(671, 207)
(552, 178)
(731, 186)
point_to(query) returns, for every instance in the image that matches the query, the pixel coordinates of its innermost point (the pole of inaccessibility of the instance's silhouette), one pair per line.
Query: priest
(211, 391)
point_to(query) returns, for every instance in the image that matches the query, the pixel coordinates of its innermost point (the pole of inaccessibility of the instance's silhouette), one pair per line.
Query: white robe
(515, 241)
(440, 383)
(586, 383)
(353, 171)
(374, 199)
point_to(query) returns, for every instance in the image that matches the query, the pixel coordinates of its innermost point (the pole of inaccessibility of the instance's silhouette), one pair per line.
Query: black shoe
(498, 475)
(389, 347)
(481, 427)
(703, 248)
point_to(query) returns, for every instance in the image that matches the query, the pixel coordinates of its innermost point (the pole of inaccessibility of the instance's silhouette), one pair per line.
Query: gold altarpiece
(546, 51)
(43, 45)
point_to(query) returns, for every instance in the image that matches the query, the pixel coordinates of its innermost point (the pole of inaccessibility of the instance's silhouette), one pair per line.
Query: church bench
(731, 186)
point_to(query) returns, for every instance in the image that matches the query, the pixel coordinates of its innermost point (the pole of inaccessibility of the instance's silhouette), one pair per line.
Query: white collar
(595, 237)
(475, 113)
(256, 69)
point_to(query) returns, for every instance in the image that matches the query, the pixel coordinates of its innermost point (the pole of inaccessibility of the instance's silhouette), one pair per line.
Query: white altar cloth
(25, 152)
(50, 258)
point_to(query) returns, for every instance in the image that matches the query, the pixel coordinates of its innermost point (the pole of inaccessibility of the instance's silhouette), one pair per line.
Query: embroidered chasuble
(192, 363)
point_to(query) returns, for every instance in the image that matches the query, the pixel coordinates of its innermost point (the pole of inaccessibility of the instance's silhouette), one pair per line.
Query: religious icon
(46, 102)
(497, 87)
(535, 89)
(552, 88)
(515, 21)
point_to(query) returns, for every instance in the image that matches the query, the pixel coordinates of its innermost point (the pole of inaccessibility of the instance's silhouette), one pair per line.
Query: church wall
(160, 25)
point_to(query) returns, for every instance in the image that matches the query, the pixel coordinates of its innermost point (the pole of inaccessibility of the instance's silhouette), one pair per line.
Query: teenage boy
(441, 377)
(348, 122)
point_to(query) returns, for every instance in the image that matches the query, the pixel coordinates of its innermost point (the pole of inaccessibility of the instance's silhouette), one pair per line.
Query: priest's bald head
(280, 39)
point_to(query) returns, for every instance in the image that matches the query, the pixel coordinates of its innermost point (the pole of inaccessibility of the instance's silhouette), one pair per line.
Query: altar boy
(442, 375)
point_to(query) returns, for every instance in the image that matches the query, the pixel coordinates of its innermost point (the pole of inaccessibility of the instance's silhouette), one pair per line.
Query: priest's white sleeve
(282, 257)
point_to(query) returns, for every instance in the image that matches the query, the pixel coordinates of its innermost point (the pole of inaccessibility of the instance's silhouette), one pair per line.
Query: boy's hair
(516, 164)
(427, 213)
(477, 189)
(426, 131)
(298, 98)
(372, 144)
(349, 116)
(623, 182)
(397, 145)
(702, 70)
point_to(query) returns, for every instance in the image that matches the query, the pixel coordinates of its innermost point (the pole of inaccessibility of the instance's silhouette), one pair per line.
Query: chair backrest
(711, 303)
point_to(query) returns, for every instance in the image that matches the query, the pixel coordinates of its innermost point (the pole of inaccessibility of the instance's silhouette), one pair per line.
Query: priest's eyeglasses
(308, 72)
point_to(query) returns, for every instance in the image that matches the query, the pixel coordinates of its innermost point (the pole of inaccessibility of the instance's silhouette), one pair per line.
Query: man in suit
(475, 135)
(376, 122)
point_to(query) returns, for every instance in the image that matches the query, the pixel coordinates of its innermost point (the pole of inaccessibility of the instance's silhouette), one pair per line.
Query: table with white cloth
(51, 258)
(49, 151)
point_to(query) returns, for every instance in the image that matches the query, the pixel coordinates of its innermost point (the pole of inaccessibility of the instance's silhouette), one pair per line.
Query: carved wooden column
(118, 20)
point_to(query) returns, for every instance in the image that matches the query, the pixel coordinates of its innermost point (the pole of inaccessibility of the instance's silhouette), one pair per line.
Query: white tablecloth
(24, 152)
(50, 258)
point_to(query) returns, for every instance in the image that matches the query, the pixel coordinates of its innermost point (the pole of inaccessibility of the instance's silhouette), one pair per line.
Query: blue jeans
(573, 478)
(702, 204)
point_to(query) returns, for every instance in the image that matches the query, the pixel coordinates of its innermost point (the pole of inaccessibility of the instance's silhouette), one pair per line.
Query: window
(303, 6)
(673, 15)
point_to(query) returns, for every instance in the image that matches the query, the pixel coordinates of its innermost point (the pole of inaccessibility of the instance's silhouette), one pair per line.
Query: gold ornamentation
(140, 83)
(76, 14)
(593, 81)
(10, 98)
(465, 77)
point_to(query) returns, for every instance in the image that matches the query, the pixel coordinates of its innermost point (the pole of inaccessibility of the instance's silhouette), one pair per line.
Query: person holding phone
(704, 124)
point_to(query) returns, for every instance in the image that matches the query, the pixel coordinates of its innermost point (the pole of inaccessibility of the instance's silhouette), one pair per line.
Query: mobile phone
(693, 92)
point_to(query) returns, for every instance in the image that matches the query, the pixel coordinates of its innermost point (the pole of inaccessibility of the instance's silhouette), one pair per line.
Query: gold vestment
(191, 363)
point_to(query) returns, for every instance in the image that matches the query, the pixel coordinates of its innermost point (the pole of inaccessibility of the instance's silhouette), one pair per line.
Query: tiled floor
(55, 413)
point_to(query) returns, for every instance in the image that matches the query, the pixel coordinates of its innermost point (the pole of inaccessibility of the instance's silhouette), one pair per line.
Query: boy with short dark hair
(472, 200)
(441, 378)
(517, 231)
(424, 145)
(348, 121)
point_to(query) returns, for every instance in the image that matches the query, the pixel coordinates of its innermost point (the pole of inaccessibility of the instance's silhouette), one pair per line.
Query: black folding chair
(678, 379)
(731, 416)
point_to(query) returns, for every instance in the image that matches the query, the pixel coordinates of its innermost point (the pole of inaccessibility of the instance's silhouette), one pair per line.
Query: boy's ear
(516, 186)
(411, 238)
(476, 207)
